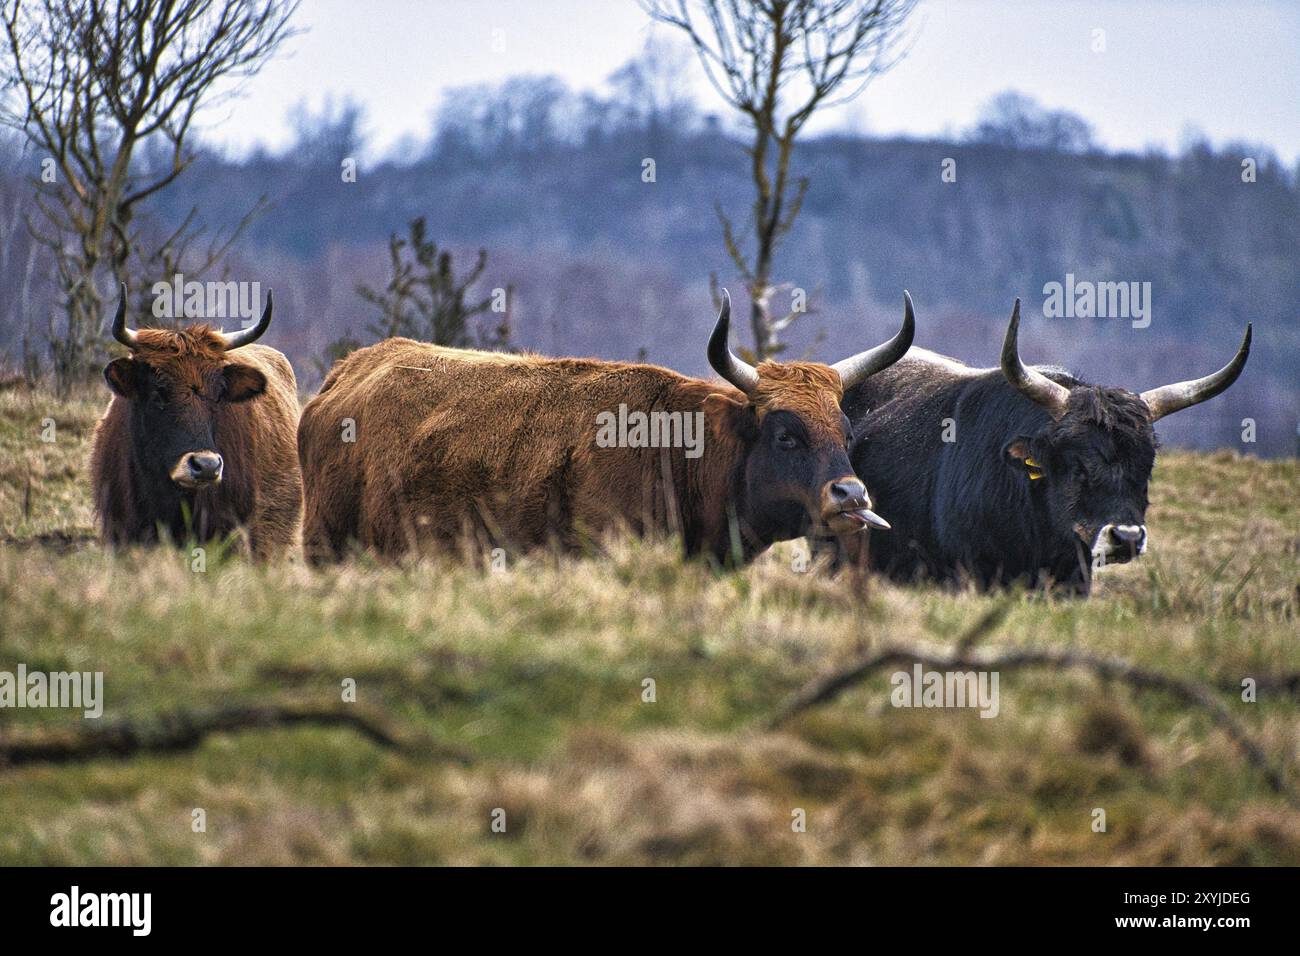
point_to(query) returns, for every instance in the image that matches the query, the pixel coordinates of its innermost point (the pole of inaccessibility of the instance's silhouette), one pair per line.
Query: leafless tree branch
(964, 657)
(777, 62)
(88, 83)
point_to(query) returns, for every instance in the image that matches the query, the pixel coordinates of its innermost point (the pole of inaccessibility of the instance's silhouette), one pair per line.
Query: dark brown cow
(410, 444)
(198, 440)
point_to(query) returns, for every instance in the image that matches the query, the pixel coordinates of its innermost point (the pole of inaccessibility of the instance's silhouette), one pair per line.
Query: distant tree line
(548, 181)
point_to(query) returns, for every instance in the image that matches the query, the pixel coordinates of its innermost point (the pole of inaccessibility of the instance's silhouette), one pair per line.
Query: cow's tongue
(868, 517)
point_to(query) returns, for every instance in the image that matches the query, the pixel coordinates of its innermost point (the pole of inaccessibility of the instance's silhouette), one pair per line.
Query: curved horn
(1031, 383)
(1168, 399)
(859, 367)
(736, 371)
(120, 332)
(234, 340)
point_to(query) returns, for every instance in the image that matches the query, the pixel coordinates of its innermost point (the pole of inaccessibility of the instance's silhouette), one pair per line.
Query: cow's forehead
(200, 341)
(809, 389)
(1112, 424)
(186, 355)
(1116, 413)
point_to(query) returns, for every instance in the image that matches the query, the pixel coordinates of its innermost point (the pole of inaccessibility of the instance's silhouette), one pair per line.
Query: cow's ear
(1018, 449)
(729, 417)
(120, 376)
(242, 382)
(1017, 452)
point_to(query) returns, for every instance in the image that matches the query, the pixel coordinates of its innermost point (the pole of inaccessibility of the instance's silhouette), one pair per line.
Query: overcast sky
(1228, 68)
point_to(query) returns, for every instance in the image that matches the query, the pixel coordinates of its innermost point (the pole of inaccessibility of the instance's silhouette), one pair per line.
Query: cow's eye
(159, 397)
(786, 439)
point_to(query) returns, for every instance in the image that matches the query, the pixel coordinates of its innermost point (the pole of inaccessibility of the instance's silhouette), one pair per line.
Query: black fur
(967, 508)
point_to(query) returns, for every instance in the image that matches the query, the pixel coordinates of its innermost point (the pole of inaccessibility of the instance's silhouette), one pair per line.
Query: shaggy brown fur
(261, 488)
(452, 442)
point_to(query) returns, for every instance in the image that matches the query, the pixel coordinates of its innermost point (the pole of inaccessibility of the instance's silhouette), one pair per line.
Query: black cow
(1041, 477)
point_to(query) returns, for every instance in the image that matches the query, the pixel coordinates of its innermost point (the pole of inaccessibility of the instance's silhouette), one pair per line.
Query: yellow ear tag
(1030, 463)
(1034, 475)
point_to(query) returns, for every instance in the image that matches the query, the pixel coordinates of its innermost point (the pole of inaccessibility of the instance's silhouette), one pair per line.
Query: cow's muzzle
(198, 469)
(847, 508)
(1118, 543)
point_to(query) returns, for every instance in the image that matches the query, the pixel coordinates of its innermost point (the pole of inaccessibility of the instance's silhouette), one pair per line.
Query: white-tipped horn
(1168, 399)
(1031, 383)
(858, 368)
(234, 340)
(120, 332)
(736, 371)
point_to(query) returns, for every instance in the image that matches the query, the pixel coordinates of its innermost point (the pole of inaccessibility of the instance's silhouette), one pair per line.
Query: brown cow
(198, 440)
(409, 443)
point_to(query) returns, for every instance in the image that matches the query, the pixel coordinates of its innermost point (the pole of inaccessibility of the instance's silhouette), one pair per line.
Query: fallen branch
(1290, 683)
(185, 730)
(831, 685)
(985, 624)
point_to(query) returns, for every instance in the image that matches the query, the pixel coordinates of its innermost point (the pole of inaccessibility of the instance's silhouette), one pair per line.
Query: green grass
(536, 674)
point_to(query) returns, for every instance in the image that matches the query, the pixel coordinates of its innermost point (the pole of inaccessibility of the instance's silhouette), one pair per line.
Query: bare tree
(327, 137)
(1019, 121)
(652, 90)
(777, 62)
(90, 83)
(425, 300)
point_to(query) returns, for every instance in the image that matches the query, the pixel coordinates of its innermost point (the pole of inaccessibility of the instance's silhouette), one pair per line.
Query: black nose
(844, 491)
(205, 466)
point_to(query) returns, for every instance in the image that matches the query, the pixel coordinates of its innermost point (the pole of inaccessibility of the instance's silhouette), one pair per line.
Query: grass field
(522, 691)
